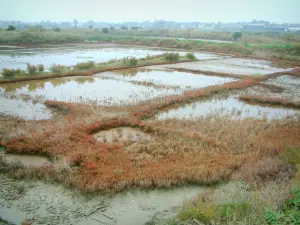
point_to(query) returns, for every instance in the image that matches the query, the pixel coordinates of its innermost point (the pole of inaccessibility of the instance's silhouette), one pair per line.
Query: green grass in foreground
(241, 203)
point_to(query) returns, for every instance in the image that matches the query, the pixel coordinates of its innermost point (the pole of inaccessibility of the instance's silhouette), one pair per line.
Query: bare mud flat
(52, 205)
(121, 134)
(290, 86)
(233, 65)
(231, 107)
(23, 109)
(25, 160)
(166, 78)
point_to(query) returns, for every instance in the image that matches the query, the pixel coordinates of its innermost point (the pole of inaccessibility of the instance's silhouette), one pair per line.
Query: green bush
(130, 61)
(57, 29)
(57, 68)
(190, 56)
(105, 30)
(85, 65)
(171, 56)
(228, 211)
(289, 214)
(11, 28)
(12, 72)
(41, 67)
(292, 155)
(237, 35)
(31, 69)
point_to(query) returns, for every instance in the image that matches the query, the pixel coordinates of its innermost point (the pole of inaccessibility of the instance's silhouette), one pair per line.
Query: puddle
(52, 205)
(121, 134)
(229, 107)
(86, 89)
(23, 109)
(234, 66)
(170, 78)
(25, 160)
(69, 55)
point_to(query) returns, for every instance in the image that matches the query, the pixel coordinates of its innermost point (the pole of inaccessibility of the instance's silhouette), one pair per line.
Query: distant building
(230, 26)
(254, 26)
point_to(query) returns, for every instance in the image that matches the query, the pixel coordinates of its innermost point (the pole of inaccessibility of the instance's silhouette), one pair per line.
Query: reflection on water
(82, 89)
(69, 56)
(167, 77)
(240, 66)
(229, 107)
(23, 109)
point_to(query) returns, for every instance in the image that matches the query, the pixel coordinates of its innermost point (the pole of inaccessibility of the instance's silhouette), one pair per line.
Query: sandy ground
(122, 134)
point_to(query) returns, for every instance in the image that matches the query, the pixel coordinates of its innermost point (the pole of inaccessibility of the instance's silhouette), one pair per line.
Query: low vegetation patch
(171, 56)
(8, 73)
(85, 65)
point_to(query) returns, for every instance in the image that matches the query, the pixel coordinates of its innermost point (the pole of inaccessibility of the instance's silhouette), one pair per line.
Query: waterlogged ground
(290, 86)
(235, 66)
(166, 78)
(70, 55)
(86, 89)
(52, 205)
(24, 109)
(229, 106)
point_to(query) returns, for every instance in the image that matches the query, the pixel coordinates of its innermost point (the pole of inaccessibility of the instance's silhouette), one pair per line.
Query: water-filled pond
(86, 89)
(231, 107)
(70, 55)
(23, 109)
(239, 66)
(170, 78)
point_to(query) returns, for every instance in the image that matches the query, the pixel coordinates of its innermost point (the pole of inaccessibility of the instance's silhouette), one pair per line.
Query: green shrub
(41, 67)
(31, 69)
(130, 61)
(237, 35)
(105, 30)
(12, 72)
(289, 214)
(57, 29)
(229, 211)
(11, 28)
(190, 56)
(202, 212)
(57, 68)
(171, 56)
(292, 155)
(85, 65)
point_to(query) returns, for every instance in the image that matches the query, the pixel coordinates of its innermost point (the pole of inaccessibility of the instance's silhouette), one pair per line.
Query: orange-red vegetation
(150, 108)
(205, 151)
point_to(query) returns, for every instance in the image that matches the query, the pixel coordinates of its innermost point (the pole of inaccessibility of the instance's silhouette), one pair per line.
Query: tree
(124, 28)
(11, 28)
(57, 29)
(91, 26)
(237, 35)
(105, 30)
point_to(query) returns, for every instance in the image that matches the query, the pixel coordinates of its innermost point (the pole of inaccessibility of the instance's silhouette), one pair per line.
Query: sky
(141, 10)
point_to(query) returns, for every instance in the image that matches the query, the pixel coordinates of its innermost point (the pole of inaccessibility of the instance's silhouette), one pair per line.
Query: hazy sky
(140, 10)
